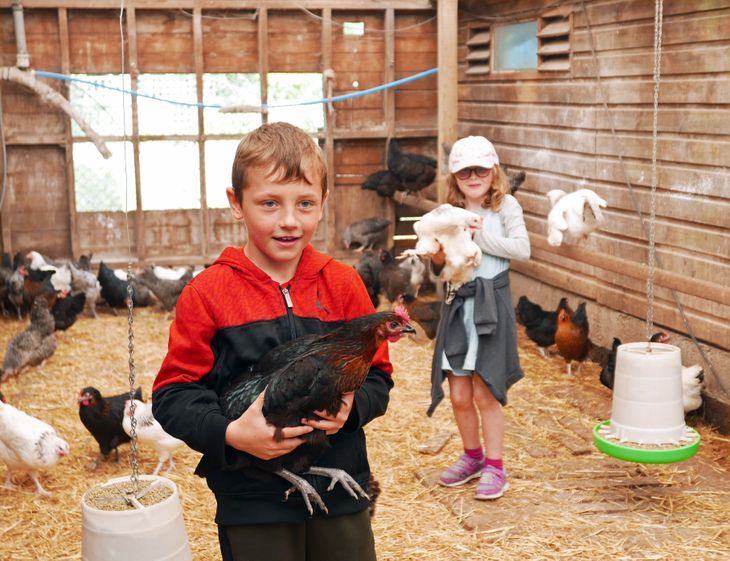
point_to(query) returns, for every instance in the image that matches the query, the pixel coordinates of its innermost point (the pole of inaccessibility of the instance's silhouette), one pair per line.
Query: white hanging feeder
(147, 533)
(647, 416)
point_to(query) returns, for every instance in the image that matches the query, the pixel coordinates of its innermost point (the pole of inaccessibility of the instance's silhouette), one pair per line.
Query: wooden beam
(448, 82)
(667, 279)
(329, 125)
(389, 102)
(355, 5)
(198, 62)
(5, 214)
(263, 52)
(68, 140)
(134, 75)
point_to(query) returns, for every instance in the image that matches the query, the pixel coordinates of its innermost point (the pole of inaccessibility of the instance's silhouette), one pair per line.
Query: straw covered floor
(566, 500)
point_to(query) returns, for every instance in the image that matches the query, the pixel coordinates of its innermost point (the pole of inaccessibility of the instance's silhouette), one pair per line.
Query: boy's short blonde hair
(281, 149)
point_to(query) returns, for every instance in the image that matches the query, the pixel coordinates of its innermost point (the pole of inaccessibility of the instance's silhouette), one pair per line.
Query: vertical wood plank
(198, 61)
(389, 105)
(329, 136)
(448, 20)
(134, 76)
(263, 48)
(70, 179)
(5, 216)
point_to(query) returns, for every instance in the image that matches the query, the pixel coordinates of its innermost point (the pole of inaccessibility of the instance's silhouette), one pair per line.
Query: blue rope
(343, 97)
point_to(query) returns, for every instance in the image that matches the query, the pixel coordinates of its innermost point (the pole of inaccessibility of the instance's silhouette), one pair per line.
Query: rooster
(539, 325)
(578, 212)
(310, 374)
(102, 417)
(149, 430)
(571, 336)
(448, 227)
(369, 233)
(28, 444)
(692, 376)
(33, 345)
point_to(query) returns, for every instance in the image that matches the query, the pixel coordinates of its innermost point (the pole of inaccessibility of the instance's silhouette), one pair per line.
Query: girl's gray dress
(490, 334)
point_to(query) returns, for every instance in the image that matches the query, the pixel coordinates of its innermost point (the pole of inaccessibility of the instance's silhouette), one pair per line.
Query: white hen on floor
(577, 213)
(449, 228)
(28, 444)
(150, 431)
(692, 383)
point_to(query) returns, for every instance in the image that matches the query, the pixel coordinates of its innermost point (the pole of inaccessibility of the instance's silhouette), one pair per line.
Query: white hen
(448, 227)
(28, 444)
(578, 213)
(150, 431)
(61, 279)
(692, 383)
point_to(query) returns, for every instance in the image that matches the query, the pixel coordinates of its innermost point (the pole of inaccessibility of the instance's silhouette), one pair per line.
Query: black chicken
(539, 325)
(608, 366)
(114, 289)
(102, 417)
(310, 374)
(384, 182)
(66, 310)
(414, 170)
(369, 233)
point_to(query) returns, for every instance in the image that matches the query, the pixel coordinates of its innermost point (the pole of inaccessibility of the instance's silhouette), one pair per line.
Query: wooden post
(134, 76)
(329, 133)
(70, 178)
(263, 47)
(5, 216)
(199, 64)
(389, 107)
(448, 20)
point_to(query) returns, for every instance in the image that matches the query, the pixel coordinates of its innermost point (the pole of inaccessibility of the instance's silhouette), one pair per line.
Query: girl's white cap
(472, 151)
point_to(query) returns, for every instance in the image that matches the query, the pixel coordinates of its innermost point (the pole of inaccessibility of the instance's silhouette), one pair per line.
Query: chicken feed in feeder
(647, 417)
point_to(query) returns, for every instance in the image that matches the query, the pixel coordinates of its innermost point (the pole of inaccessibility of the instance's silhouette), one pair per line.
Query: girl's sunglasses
(466, 172)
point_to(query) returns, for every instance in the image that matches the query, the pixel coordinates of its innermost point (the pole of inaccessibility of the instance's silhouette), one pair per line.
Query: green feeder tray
(646, 455)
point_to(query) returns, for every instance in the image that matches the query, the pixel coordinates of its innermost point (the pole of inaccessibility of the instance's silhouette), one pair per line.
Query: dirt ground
(566, 499)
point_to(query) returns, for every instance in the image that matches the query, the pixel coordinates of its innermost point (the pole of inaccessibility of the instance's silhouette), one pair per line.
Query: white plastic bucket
(155, 533)
(647, 394)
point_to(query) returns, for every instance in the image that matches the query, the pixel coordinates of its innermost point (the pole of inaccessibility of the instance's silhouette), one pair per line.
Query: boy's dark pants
(320, 538)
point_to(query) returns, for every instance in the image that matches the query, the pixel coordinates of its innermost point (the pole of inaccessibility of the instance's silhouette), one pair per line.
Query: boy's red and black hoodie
(226, 319)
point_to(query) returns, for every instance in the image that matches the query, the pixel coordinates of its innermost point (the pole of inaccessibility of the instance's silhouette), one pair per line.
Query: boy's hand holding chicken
(253, 434)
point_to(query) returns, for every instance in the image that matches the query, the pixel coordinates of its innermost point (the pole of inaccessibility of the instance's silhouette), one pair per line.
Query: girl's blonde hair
(495, 195)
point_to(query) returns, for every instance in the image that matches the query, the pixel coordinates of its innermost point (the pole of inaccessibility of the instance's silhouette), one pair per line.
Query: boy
(250, 300)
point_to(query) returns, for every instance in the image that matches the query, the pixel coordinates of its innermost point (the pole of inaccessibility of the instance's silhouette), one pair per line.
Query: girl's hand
(253, 434)
(329, 423)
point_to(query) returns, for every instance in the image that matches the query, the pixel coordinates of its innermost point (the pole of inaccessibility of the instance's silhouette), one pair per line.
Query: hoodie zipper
(289, 312)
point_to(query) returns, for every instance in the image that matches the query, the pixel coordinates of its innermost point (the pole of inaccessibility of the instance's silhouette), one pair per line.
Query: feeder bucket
(647, 394)
(154, 533)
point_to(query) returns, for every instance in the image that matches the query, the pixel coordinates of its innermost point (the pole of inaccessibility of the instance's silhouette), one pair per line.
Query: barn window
(218, 162)
(160, 118)
(101, 106)
(169, 174)
(515, 46)
(554, 40)
(231, 89)
(99, 183)
(295, 87)
(478, 49)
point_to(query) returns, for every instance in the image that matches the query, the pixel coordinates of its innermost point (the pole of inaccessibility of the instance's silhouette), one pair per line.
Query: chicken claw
(341, 476)
(303, 486)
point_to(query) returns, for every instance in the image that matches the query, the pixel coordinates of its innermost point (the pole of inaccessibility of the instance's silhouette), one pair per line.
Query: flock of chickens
(55, 293)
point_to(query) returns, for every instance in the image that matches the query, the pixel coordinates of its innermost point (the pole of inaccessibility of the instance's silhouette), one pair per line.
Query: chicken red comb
(401, 311)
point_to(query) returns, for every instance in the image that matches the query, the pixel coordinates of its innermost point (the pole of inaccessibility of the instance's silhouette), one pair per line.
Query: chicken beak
(408, 329)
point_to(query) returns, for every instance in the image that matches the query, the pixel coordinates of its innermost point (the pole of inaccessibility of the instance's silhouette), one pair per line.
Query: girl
(476, 343)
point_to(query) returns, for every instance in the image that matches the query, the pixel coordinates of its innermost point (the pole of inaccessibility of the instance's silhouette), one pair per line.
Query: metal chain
(132, 406)
(658, 13)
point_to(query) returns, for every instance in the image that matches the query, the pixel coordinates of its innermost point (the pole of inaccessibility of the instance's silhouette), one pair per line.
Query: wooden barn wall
(554, 126)
(163, 41)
